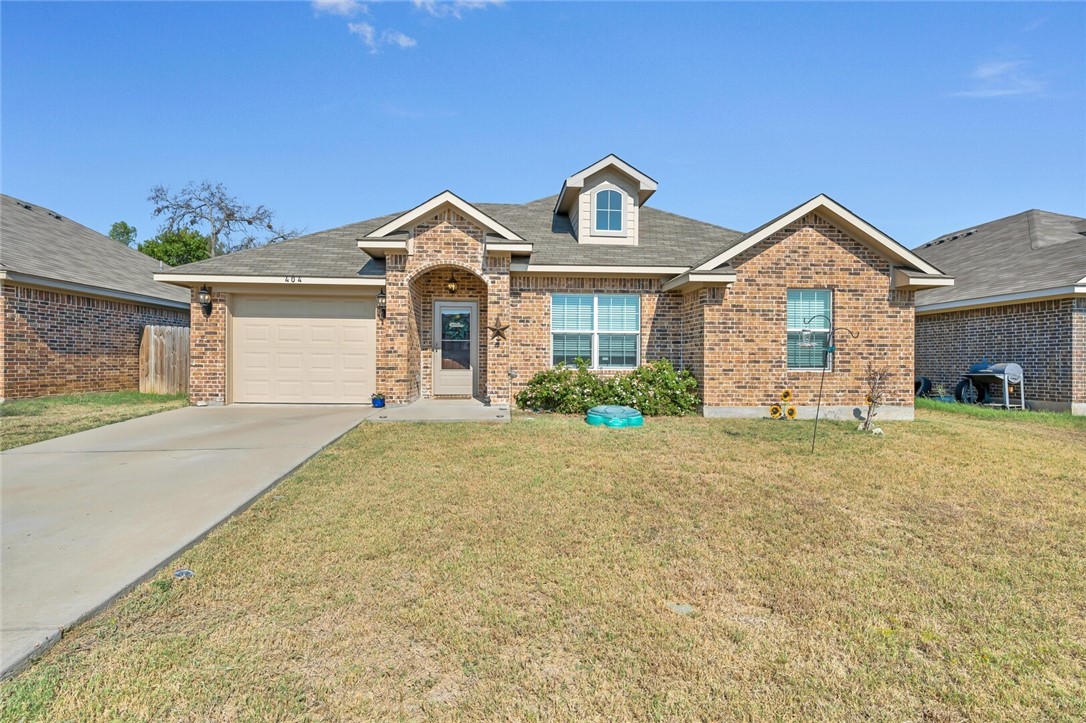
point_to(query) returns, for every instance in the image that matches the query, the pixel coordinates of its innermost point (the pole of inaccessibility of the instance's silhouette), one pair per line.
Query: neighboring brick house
(457, 299)
(73, 305)
(1019, 296)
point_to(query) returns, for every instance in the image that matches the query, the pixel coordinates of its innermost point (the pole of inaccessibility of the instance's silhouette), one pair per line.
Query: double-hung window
(602, 329)
(810, 315)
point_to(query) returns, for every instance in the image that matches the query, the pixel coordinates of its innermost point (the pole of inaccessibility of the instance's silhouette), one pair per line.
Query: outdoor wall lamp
(204, 297)
(451, 284)
(382, 300)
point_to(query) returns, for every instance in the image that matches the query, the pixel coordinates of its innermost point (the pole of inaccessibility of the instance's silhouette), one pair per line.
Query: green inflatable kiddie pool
(614, 416)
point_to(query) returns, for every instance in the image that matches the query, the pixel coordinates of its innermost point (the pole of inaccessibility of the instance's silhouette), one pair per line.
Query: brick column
(498, 383)
(207, 350)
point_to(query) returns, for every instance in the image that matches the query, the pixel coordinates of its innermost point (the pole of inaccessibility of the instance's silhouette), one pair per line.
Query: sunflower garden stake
(777, 411)
(807, 340)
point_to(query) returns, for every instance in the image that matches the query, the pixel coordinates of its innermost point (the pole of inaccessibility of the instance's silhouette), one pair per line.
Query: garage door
(305, 351)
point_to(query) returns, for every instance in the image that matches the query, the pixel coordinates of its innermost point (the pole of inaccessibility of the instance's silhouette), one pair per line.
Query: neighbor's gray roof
(1029, 251)
(664, 240)
(37, 242)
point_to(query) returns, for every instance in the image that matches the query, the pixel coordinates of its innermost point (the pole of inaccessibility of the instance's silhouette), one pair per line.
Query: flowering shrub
(656, 389)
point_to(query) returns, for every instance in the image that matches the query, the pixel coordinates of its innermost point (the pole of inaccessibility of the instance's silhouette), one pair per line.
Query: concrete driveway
(87, 516)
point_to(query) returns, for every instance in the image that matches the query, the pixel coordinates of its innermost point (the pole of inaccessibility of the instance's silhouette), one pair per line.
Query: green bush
(656, 389)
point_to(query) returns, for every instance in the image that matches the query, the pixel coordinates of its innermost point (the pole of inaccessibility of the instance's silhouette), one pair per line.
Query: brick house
(73, 305)
(1019, 296)
(459, 300)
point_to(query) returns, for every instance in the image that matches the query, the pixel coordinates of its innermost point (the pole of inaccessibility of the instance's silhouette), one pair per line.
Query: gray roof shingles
(1028, 251)
(38, 242)
(664, 240)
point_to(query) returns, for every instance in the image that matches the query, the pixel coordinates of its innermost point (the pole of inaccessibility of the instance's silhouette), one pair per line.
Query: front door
(455, 352)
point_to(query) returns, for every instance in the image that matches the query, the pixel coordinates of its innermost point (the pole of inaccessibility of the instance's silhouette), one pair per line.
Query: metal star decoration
(497, 331)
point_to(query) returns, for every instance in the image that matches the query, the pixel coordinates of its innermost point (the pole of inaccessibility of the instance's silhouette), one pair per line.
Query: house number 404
(292, 279)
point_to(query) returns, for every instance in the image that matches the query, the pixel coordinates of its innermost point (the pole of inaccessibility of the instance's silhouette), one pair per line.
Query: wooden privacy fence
(164, 360)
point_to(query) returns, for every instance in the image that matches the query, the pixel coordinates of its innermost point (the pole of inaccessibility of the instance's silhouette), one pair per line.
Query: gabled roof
(836, 214)
(1028, 255)
(424, 210)
(646, 186)
(666, 240)
(39, 246)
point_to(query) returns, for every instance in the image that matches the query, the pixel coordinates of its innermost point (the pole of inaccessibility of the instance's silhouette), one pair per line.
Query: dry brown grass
(525, 572)
(35, 420)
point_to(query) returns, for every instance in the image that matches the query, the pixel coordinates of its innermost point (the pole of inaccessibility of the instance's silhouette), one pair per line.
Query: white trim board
(289, 281)
(15, 277)
(583, 270)
(836, 214)
(692, 280)
(1001, 299)
(426, 208)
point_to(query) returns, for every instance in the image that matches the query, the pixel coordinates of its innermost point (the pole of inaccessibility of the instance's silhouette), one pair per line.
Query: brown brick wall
(745, 357)
(207, 350)
(1078, 352)
(530, 332)
(1037, 335)
(55, 342)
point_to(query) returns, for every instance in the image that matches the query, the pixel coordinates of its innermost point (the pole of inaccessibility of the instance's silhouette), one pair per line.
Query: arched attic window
(609, 210)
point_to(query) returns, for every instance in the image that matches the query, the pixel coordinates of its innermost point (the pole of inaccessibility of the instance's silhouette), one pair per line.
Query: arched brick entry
(443, 244)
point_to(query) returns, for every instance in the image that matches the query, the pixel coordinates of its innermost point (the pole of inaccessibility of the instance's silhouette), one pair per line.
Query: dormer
(603, 202)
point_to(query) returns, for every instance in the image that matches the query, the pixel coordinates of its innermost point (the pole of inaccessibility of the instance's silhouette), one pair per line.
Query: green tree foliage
(124, 233)
(176, 247)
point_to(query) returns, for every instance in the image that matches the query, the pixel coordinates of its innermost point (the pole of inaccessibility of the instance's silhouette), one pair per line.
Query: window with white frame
(810, 316)
(602, 329)
(608, 210)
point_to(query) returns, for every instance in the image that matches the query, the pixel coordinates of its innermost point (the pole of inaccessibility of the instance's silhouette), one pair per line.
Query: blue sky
(922, 118)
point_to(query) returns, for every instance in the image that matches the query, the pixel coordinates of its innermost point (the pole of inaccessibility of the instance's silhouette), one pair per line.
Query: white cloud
(453, 8)
(395, 37)
(1003, 78)
(346, 8)
(367, 32)
(375, 40)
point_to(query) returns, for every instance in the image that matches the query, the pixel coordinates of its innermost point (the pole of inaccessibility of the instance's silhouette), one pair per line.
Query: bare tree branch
(225, 218)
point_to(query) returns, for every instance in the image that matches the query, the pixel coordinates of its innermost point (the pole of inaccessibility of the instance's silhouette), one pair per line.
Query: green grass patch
(691, 569)
(25, 421)
(1052, 419)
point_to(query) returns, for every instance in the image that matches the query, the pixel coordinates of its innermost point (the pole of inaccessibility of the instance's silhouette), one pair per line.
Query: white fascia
(423, 210)
(837, 214)
(585, 270)
(902, 280)
(999, 299)
(87, 290)
(290, 281)
(378, 248)
(693, 280)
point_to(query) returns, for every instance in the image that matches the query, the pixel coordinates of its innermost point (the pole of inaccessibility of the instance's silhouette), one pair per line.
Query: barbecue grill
(1005, 375)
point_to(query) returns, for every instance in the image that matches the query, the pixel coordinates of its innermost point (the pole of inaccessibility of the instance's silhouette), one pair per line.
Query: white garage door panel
(315, 351)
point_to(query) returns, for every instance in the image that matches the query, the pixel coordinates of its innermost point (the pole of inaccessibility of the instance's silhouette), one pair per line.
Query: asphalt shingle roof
(36, 241)
(1029, 251)
(664, 240)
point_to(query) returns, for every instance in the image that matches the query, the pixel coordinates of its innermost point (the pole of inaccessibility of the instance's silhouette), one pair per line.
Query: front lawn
(690, 569)
(33, 420)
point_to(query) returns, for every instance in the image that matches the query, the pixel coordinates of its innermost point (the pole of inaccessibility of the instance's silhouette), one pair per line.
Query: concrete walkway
(442, 410)
(87, 516)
